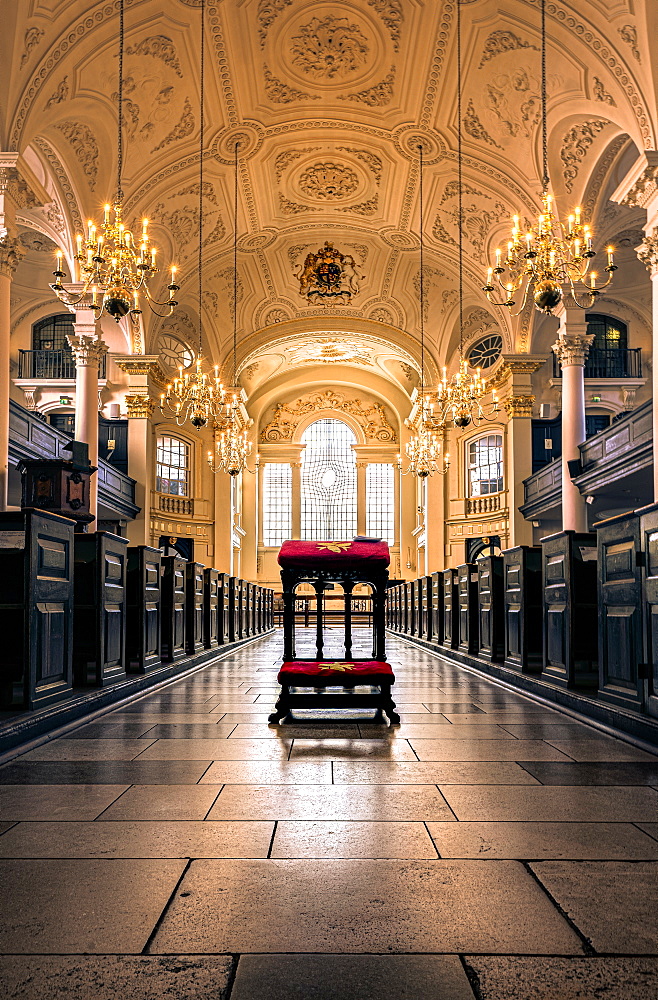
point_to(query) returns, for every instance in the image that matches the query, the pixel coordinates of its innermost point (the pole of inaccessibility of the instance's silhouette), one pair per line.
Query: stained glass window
(328, 498)
(485, 465)
(277, 503)
(380, 501)
(172, 466)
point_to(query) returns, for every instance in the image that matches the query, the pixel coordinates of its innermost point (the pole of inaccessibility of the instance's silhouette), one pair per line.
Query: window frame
(467, 462)
(264, 506)
(188, 469)
(308, 525)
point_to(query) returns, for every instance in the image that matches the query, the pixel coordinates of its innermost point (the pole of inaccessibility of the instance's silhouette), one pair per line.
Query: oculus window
(380, 501)
(485, 465)
(486, 352)
(328, 500)
(172, 466)
(277, 503)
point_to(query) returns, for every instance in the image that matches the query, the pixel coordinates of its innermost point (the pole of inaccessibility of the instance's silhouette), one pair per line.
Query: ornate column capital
(87, 351)
(572, 348)
(648, 252)
(19, 188)
(11, 254)
(139, 404)
(639, 188)
(519, 406)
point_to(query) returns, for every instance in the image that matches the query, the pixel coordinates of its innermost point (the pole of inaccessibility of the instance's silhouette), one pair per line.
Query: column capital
(19, 188)
(87, 350)
(647, 252)
(639, 188)
(519, 406)
(139, 405)
(12, 252)
(572, 348)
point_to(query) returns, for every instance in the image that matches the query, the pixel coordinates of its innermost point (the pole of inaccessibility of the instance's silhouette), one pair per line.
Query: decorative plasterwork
(519, 406)
(502, 41)
(575, 144)
(648, 252)
(87, 351)
(62, 179)
(12, 252)
(283, 93)
(183, 128)
(84, 144)
(572, 348)
(378, 95)
(392, 15)
(328, 181)
(160, 47)
(628, 34)
(60, 94)
(33, 36)
(370, 416)
(268, 11)
(601, 94)
(139, 404)
(329, 47)
(328, 352)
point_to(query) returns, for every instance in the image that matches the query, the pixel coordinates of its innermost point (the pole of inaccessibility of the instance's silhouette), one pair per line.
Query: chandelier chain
(201, 140)
(460, 193)
(235, 266)
(120, 104)
(421, 284)
(544, 133)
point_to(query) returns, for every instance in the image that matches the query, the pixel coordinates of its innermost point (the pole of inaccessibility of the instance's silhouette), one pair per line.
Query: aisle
(487, 847)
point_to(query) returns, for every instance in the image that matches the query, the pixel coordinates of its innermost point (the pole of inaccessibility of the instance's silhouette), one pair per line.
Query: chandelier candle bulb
(153, 253)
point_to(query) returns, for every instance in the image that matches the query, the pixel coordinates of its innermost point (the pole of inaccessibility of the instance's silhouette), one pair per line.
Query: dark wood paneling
(143, 609)
(173, 608)
(450, 609)
(491, 607)
(468, 623)
(436, 620)
(570, 608)
(99, 634)
(523, 608)
(194, 606)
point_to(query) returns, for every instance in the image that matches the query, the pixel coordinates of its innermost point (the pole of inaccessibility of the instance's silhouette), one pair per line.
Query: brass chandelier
(232, 449)
(111, 262)
(196, 395)
(424, 447)
(549, 262)
(460, 399)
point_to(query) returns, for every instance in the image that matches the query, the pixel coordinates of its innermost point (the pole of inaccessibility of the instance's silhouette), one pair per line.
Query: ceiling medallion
(328, 47)
(328, 181)
(329, 352)
(328, 277)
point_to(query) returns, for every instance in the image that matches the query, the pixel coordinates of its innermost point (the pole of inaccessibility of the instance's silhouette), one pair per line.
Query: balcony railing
(608, 363)
(176, 505)
(483, 505)
(54, 365)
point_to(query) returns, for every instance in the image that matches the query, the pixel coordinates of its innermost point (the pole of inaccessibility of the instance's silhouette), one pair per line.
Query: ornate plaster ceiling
(329, 101)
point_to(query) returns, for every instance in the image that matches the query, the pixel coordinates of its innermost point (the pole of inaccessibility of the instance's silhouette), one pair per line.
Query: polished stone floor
(179, 847)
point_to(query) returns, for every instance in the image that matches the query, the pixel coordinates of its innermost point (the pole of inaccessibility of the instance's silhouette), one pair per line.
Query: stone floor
(179, 847)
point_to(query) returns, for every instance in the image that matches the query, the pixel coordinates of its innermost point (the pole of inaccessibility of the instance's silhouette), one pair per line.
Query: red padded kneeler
(301, 554)
(325, 673)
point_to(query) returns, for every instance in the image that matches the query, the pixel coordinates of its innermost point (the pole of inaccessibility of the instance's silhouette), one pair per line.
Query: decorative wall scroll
(370, 416)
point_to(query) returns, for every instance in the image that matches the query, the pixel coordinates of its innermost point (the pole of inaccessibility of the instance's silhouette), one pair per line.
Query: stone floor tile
(564, 978)
(485, 750)
(103, 772)
(593, 773)
(357, 906)
(613, 903)
(162, 716)
(454, 731)
(343, 977)
(432, 772)
(289, 730)
(331, 802)
(162, 839)
(110, 730)
(257, 708)
(65, 749)
(536, 841)
(650, 828)
(148, 708)
(22, 802)
(505, 718)
(450, 707)
(268, 772)
(106, 977)
(569, 804)
(601, 749)
(109, 906)
(164, 802)
(352, 839)
(352, 750)
(264, 749)
(551, 731)
(235, 718)
(183, 731)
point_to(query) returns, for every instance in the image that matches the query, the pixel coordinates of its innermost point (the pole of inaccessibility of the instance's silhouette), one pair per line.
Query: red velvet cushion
(309, 554)
(318, 673)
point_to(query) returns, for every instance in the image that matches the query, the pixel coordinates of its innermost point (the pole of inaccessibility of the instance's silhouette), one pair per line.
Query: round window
(486, 352)
(174, 352)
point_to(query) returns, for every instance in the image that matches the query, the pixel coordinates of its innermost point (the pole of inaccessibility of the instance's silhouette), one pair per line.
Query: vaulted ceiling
(329, 102)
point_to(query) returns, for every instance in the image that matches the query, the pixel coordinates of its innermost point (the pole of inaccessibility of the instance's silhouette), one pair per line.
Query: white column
(88, 349)
(361, 497)
(639, 189)
(11, 253)
(571, 348)
(141, 466)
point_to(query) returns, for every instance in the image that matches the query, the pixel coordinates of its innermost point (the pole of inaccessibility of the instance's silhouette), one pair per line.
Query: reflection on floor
(180, 847)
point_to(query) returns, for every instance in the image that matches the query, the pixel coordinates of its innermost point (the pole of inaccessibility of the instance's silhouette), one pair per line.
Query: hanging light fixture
(424, 447)
(460, 399)
(113, 265)
(232, 449)
(196, 395)
(547, 263)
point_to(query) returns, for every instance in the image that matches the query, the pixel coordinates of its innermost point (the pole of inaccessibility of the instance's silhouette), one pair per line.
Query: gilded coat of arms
(328, 277)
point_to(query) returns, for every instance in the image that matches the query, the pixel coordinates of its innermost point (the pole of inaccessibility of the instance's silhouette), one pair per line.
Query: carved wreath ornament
(287, 416)
(328, 276)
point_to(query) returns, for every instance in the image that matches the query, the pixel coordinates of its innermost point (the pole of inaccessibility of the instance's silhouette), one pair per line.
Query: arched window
(328, 482)
(51, 355)
(485, 465)
(172, 466)
(610, 334)
(277, 503)
(49, 334)
(380, 501)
